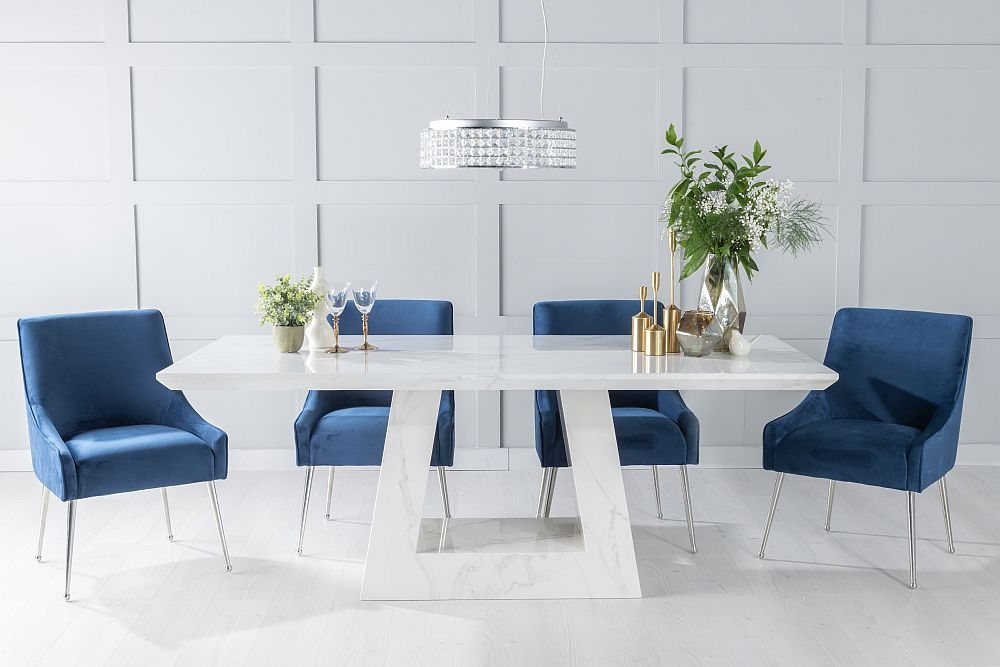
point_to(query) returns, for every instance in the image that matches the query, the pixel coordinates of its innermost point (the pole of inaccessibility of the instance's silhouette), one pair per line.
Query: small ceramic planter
(289, 339)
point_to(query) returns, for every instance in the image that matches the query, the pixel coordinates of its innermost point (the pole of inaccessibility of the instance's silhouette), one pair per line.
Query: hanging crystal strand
(545, 56)
(454, 58)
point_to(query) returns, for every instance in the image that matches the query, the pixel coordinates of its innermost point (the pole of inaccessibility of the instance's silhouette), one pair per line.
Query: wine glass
(336, 301)
(364, 301)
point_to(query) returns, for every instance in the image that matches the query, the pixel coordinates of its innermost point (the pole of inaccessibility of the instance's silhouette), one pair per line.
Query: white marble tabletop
(491, 362)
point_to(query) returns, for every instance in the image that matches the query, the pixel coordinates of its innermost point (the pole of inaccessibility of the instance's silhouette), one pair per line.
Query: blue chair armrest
(813, 408)
(181, 415)
(444, 442)
(548, 430)
(933, 453)
(316, 406)
(50, 457)
(671, 404)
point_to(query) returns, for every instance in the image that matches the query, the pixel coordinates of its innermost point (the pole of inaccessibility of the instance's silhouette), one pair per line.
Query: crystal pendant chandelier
(516, 143)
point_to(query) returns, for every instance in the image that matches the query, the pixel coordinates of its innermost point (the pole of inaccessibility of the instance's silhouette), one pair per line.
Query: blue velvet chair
(652, 427)
(891, 420)
(99, 422)
(347, 428)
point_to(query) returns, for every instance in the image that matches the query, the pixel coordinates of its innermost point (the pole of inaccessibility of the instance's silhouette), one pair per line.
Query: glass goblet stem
(364, 331)
(336, 349)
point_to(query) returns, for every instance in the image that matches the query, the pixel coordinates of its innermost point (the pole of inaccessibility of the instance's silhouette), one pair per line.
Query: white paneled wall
(173, 153)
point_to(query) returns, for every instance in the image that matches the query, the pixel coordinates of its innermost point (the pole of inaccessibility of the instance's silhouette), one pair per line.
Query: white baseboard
(510, 458)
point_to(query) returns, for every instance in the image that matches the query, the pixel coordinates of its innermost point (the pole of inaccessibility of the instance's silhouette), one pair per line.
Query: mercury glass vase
(722, 293)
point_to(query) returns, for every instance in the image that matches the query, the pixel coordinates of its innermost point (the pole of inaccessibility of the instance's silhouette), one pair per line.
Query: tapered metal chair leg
(770, 513)
(912, 514)
(656, 493)
(218, 523)
(41, 525)
(686, 488)
(329, 493)
(944, 506)
(305, 506)
(542, 492)
(829, 504)
(70, 532)
(166, 514)
(444, 492)
(550, 492)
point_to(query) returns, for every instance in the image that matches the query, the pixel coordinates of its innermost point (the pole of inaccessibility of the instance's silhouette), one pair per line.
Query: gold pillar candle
(640, 322)
(672, 315)
(672, 318)
(655, 339)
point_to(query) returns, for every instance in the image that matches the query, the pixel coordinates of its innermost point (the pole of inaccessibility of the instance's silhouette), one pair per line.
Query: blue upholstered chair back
(95, 370)
(401, 317)
(897, 366)
(611, 317)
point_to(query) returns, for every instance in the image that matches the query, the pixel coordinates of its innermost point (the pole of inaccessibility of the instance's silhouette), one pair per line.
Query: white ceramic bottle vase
(319, 333)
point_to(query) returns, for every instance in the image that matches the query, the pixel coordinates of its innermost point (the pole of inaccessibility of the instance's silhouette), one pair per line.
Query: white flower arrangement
(723, 208)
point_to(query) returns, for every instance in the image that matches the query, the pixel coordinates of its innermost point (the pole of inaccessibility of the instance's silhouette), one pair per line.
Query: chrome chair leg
(329, 493)
(656, 492)
(542, 491)
(770, 513)
(444, 492)
(305, 505)
(218, 523)
(166, 514)
(70, 532)
(41, 525)
(686, 488)
(944, 506)
(829, 504)
(550, 492)
(911, 511)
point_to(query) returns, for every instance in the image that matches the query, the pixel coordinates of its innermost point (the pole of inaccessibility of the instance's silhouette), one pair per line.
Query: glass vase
(722, 293)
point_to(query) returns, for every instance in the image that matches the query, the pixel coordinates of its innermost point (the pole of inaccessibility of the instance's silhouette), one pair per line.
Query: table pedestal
(411, 558)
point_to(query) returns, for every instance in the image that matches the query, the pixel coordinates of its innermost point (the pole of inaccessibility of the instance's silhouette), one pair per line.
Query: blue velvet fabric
(98, 420)
(892, 419)
(347, 428)
(652, 427)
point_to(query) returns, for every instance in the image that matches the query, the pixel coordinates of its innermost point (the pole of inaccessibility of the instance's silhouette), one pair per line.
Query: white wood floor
(820, 598)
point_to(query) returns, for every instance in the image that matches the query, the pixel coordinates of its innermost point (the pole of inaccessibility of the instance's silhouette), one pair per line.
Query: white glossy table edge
(491, 363)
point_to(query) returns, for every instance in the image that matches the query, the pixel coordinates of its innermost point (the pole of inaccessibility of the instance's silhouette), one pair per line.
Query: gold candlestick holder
(672, 315)
(336, 349)
(640, 322)
(655, 337)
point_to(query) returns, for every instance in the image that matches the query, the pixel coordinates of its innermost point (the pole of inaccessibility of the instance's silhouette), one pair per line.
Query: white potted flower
(286, 306)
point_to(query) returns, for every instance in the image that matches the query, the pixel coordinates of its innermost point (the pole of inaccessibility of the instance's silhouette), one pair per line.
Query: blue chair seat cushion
(851, 450)
(145, 456)
(356, 437)
(648, 437)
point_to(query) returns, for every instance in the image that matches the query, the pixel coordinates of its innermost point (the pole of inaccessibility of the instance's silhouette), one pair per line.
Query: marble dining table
(412, 557)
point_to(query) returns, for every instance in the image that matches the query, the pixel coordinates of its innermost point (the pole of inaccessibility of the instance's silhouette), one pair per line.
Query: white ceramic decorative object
(739, 345)
(319, 333)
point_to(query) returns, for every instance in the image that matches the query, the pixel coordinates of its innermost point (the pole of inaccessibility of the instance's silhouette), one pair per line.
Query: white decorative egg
(738, 344)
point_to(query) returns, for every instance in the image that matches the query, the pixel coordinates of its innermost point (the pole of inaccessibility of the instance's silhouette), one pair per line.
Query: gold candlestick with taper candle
(655, 338)
(672, 314)
(640, 322)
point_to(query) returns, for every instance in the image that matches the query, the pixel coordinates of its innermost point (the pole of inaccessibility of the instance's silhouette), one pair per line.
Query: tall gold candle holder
(672, 314)
(640, 322)
(655, 338)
